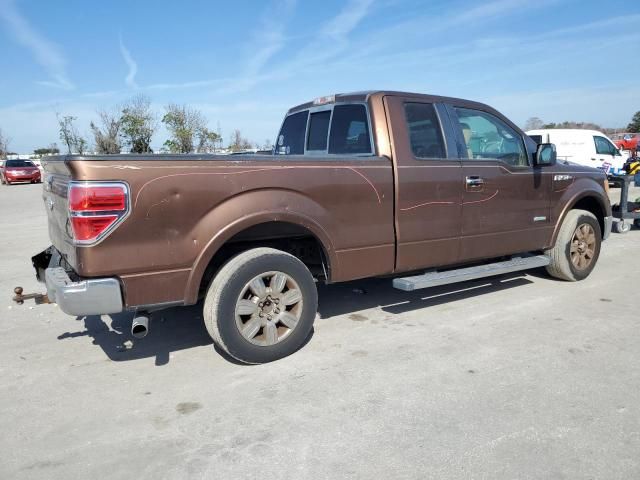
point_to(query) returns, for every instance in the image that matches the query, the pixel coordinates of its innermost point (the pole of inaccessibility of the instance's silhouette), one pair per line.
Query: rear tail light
(95, 209)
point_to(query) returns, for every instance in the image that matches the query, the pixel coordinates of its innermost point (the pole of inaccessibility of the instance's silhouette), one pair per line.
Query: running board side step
(433, 279)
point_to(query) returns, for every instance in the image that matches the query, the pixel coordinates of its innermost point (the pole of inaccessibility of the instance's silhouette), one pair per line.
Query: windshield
(19, 163)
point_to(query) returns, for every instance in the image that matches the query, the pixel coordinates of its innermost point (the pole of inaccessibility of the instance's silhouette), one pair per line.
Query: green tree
(238, 143)
(138, 124)
(107, 135)
(4, 145)
(533, 123)
(187, 126)
(574, 125)
(267, 145)
(67, 130)
(634, 126)
(207, 140)
(50, 150)
(69, 134)
(81, 145)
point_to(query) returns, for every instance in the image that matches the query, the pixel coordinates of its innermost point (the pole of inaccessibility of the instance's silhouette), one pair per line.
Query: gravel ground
(519, 376)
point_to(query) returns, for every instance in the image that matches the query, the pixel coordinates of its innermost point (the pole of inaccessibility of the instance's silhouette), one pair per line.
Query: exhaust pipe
(140, 326)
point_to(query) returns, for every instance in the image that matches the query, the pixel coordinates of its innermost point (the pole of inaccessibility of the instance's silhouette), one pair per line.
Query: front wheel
(577, 247)
(261, 305)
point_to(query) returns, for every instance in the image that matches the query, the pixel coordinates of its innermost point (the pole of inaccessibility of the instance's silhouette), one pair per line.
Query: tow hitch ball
(39, 298)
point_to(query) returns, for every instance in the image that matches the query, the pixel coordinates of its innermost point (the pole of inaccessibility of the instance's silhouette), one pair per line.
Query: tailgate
(55, 183)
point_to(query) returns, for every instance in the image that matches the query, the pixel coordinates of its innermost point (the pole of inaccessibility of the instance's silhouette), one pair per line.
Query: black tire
(561, 265)
(636, 223)
(226, 289)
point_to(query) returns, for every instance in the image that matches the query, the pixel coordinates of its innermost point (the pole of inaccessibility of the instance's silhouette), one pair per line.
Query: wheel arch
(267, 228)
(589, 201)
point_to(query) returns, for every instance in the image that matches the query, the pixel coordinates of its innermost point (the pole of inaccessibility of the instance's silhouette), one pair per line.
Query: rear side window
(425, 135)
(536, 138)
(291, 138)
(318, 130)
(349, 130)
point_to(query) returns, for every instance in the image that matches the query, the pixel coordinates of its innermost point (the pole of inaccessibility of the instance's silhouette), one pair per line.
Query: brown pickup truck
(429, 190)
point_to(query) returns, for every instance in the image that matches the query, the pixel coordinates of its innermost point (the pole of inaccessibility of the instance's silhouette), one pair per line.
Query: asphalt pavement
(519, 376)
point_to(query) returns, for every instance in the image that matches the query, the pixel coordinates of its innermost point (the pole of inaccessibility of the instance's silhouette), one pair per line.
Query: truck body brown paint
(370, 215)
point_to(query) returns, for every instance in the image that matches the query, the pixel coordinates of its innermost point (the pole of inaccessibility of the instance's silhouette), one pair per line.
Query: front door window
(487, 137)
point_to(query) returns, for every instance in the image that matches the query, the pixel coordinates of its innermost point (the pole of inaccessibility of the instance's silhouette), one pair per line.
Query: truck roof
(363, 96)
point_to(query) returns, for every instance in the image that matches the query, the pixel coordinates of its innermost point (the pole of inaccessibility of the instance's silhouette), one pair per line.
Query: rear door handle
(475, 181)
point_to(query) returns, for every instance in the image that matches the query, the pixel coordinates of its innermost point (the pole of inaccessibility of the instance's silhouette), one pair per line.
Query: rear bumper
(95, 296)
(85, 296)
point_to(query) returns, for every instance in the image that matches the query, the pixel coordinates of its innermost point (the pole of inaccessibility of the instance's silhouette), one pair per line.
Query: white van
(584, 147)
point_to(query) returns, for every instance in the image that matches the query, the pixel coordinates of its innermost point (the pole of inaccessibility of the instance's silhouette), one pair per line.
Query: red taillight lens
(89, 228)
(85, 198)
(95, 208)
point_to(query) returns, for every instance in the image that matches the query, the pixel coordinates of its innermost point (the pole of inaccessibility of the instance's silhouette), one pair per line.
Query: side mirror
(546, 155)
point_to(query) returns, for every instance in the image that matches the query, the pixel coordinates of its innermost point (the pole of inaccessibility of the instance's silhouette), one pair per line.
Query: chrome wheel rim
(583, 246)
(268, 308)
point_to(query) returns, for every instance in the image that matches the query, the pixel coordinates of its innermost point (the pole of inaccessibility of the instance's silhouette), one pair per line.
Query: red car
(14, 171)
(628, 141)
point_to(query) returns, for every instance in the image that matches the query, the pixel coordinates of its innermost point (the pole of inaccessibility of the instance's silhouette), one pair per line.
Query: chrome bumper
(608, 225)
(95, 296)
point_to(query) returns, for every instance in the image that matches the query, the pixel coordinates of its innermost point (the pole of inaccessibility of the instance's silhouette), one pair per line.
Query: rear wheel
(261, 305)
(577, 247)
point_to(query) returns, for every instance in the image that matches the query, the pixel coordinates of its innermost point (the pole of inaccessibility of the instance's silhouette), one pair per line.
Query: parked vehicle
(14, 171)
(627, 141)
(583, 147)
(360, 185)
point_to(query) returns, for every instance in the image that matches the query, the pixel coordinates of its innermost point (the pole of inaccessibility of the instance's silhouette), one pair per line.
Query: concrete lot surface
(513, 377)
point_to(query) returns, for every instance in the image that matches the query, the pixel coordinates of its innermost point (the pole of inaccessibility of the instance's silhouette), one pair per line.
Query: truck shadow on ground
(183, 327)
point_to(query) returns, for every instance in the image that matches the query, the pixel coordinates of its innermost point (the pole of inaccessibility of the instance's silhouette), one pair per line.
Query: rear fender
(240, 212)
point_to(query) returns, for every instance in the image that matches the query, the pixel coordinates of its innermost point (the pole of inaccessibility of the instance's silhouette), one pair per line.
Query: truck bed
(183, 206)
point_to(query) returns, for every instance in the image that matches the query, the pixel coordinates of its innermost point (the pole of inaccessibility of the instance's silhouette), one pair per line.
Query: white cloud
(130, 79)
(46, 53)
(270, 38)
(347, 20)
(497, 8)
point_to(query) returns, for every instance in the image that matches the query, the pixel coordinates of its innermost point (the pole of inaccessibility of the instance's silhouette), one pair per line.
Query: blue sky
(243, 63)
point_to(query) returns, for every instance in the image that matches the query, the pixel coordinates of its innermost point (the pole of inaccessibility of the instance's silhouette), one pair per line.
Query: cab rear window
(341, 130)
